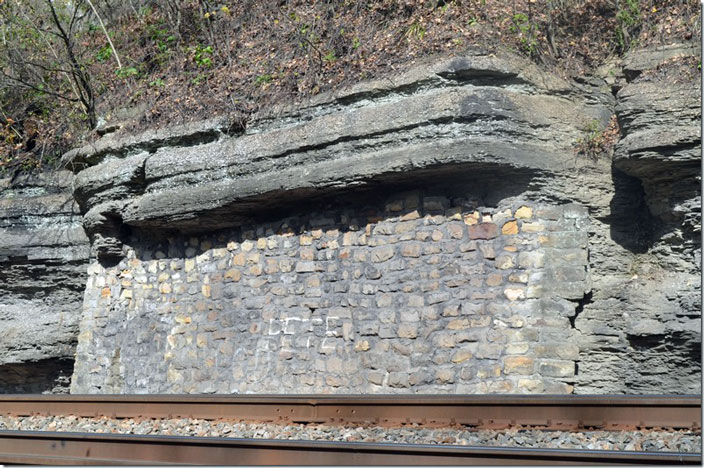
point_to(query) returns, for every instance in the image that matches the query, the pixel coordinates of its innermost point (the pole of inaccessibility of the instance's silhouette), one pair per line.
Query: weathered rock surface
(43, 257)
(474, 110)
(177, 217)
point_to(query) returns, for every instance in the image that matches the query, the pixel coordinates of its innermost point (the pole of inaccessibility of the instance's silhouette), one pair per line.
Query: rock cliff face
(43, 258)
(434, 231)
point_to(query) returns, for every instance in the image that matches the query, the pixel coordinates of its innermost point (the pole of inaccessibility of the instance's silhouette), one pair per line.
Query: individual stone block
(518, 365)
(461, 355)
(556, 368)
(304, 267)
(398, 380)
(458, 324)
(510, 228)
(564, 351)
(233, 275)
(504, 262)
(456, 230)
(408, 330)
(532, 227)
(483, 231)
(533, 259)
(411, 250)
(382, 254)
(494, 279)
(445, 375)
(524, 212)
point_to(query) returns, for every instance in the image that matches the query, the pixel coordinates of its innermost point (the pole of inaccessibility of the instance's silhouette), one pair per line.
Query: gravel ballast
(684, 441)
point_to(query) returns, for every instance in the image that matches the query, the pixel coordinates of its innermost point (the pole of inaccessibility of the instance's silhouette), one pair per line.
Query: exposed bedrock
(43, 259)
(433, 231)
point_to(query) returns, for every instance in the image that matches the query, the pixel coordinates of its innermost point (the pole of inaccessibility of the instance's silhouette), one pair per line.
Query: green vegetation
(202, 56)
(629, 19)
(526, 31)
(598, 140)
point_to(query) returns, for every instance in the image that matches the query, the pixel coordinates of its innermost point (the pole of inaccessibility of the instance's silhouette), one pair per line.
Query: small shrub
(416, 30)
(201, 55)
(263, 79)
(629, 18)
(104, 53)
(126, 72)
(526, 31)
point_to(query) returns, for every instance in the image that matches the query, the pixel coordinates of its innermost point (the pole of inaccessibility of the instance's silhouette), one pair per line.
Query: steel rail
(57, 448)
(479, 411)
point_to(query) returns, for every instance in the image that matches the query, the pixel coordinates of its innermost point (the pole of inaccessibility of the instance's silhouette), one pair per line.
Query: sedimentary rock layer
(43, 257)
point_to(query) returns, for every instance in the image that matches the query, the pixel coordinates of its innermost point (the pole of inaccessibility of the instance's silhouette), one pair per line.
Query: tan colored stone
(348, 238)
(201, 340)
(205, 290)
(524, 212)
(382, 254)
(233, 275)
(445, 375)
(437, 235)
(500, 386)
(126, 294)
(362, 346)
(510, 228)
(307, 254)
(408, 330)
(456, 230)
(461, 356)
(518, 365)
(532, 227)
(458, 324)
(165, 288)
(411, 250)
(494, 279)
(471, 218)
(219, 253)
(239, 259)
(514, 294)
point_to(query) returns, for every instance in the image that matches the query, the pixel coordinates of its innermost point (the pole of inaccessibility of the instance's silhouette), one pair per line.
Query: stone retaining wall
(418, 293)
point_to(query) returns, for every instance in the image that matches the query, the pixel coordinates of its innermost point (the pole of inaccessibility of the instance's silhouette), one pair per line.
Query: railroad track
(480, 412)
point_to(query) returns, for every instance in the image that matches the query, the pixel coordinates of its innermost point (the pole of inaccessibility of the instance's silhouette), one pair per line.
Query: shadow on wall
(45, 376)
(487, 183)
(632, 225)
